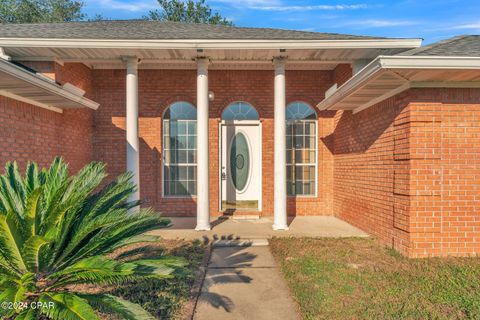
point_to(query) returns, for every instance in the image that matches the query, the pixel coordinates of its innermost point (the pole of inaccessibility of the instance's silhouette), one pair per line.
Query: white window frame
(178, 164)
(315, 164)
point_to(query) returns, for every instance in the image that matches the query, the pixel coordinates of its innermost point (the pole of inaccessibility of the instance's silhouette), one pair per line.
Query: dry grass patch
(359, 279)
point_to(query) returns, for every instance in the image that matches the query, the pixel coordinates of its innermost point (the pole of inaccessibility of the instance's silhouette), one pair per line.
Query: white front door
(240, 165)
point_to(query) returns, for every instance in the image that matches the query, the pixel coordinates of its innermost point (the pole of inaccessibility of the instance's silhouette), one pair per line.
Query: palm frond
(12, 190)
(8, 295)
(102, 270)
(97, 269)
(9, 244)
(112, 304)
(67, 306)
(31, 252)
(27, 314)
(111, 196)
(84, 232)
(141, 238)
(31, 220)
(130, 226)
(32, 178)
(75, 194)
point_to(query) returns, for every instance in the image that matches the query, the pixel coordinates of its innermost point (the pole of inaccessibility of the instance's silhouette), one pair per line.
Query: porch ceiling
(387, 76)
(21, 84)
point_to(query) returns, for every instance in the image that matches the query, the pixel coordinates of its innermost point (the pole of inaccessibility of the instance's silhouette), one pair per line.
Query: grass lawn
(162, 298)
(359, 279)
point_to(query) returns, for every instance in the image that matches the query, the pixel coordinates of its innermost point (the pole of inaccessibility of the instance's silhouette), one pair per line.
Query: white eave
(387, 76)
(23, 85)
(224, 53)
(212, 44)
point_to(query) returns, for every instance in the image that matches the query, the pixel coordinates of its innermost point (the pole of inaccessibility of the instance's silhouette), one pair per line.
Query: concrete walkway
(320, 226)
(244, 282)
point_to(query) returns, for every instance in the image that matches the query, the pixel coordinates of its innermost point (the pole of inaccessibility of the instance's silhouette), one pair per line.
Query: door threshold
(246, 217)
(240, 216)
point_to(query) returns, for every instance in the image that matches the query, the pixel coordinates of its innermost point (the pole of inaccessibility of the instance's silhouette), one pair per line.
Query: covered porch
(248, 229)
(132, 80)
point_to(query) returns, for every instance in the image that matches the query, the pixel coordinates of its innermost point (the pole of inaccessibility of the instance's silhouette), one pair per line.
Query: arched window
(301, 149)
(180, 150)
(240, 111)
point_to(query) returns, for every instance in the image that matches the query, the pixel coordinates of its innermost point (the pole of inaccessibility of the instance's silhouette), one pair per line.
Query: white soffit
(23, 85)
(160, 54)
(387, 76)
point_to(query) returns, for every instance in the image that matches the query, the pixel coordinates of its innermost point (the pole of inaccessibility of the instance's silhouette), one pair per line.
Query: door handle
(224, 175)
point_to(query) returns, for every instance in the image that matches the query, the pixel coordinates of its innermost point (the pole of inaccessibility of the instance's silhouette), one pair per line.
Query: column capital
(279, 61)
(202, 62)
(130, 61)
(279, 64)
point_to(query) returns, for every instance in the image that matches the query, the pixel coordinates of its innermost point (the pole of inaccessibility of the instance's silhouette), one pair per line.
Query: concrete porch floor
(315, 227)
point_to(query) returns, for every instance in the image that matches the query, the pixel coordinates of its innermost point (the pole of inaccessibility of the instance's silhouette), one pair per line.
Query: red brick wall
(31, 133)
(445, 172)
(342, 73)
(364, 169)
(408, 171)
(160, 88)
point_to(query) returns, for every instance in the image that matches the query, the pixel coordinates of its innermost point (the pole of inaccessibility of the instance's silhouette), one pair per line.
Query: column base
(278, 228)
(203, 228)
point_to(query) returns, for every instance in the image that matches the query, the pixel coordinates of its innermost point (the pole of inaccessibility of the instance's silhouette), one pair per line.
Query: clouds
(280, 6)
(132, 6)
(379, 23)
(468, 26)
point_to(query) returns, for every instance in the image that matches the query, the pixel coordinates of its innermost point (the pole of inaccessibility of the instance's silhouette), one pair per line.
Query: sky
(427, 19)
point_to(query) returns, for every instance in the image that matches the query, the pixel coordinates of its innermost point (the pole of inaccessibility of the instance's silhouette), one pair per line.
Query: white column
(203, 197)
(280, 168)
(133, 160)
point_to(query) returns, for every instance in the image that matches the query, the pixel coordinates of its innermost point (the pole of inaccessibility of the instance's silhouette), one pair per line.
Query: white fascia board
(29, 101)
(46, 84)
(213, 44)
(429, 62)
(371, 70)
(385, 63)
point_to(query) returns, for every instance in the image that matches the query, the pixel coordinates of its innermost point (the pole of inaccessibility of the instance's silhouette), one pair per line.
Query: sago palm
(56, 232)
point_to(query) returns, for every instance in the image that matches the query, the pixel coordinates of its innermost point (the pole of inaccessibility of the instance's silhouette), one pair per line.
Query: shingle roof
(152, 30)
(460, 46)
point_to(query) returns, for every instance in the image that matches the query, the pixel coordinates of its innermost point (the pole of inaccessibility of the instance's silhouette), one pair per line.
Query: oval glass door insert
(239, 161)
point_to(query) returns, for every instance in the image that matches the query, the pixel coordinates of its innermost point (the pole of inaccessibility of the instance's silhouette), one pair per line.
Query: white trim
(428, 62)
(253, 123)
(212, 44)
(317, 135)
(382, 97)
(29, 101)
(185, 64)
(163, 161)
(3, 55)
(38, 58)
(384, 64)
(46, 84)
(371, 71)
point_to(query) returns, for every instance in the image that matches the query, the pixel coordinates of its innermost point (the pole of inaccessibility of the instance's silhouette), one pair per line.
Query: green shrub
(56, 233)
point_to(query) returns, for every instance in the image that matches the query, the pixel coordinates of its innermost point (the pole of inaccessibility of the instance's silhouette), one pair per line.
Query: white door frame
(222, 123)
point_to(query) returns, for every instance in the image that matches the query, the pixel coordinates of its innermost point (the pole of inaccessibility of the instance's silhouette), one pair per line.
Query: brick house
(214, 120)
